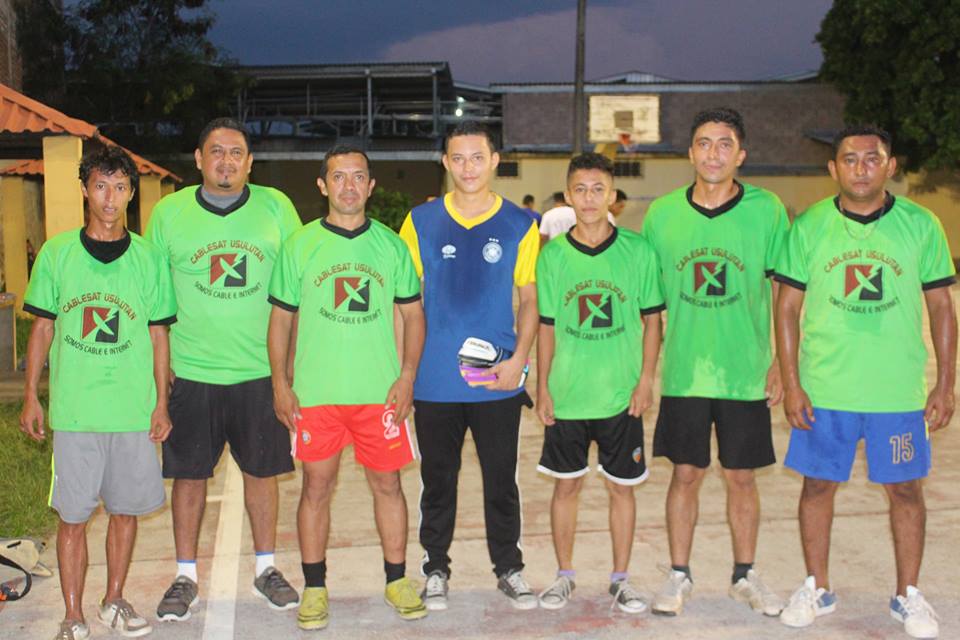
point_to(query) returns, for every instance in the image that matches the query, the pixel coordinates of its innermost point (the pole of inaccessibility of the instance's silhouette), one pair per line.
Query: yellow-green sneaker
(313, 611)
(402, 595)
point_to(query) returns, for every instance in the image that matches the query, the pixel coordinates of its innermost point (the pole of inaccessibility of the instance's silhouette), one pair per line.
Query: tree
(144, 71)
(898, 63)
(389, 207)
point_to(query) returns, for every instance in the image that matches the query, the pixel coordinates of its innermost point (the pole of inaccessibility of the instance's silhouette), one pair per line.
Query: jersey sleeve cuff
(37, 311)
(927, 286)
(163, 321)
(406, 299)
(769, 273)
(547, 321)
(283, 305)
(651, 310)
(790, 282)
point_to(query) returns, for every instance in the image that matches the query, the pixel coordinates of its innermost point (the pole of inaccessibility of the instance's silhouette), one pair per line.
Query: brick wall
(776, 118)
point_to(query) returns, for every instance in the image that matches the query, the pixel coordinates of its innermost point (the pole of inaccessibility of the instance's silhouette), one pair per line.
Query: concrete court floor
(862, 560)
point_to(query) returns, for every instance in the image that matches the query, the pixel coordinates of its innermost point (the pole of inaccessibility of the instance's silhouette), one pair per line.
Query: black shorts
(744, 436)
(619, 448)
(206, 416)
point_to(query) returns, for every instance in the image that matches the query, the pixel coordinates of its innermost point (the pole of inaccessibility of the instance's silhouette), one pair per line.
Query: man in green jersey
(717, 241)
(863, 263)
(220, 240)
(598, 293)
(102, 298)
(343, 274)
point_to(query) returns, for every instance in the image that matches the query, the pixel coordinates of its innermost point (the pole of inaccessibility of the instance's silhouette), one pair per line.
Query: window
(508, 169)
(631, 169)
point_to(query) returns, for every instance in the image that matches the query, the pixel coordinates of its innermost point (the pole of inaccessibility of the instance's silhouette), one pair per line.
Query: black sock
(315, 573)
(685, 568)
(740, 570)
(394, 571)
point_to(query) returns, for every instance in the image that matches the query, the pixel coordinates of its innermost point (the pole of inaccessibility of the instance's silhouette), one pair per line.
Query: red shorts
(378, 443)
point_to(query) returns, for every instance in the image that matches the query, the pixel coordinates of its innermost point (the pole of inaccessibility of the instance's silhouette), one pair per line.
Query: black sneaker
(517, 590)
(274, 588)
(178, 599)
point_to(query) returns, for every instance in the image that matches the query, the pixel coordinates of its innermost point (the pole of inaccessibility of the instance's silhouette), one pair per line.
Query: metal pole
(578, 110)
(435, 105)
(369, 104)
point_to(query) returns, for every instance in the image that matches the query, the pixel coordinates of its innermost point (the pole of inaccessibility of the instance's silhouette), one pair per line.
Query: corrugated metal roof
(24, 168)
(20, 114)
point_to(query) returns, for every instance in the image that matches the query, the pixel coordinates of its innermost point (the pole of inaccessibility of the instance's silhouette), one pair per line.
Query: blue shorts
(897, 446)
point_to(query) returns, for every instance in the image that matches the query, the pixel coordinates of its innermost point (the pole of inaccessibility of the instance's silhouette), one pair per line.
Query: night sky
(531, 40)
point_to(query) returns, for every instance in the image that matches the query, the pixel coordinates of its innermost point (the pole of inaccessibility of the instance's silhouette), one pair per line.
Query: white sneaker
(807, 603)
(626, 598)
(751, 590)
(673, 593)
(72, 630)
(120, 616)
(434, 592)
(558, 594)
(918, 617)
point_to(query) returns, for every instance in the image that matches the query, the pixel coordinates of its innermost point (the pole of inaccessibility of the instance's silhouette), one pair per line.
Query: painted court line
(222, 595)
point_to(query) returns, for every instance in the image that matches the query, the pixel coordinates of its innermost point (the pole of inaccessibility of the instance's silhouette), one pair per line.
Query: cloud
(540, 47)
(684, 39)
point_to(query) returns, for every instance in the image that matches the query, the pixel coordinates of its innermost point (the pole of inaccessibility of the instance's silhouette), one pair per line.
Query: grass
(25, 473)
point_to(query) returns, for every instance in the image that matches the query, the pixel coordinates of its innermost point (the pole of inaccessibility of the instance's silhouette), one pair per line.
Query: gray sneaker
(274, 588)
(72, 630)
(177, 601)
(558, 594)
(517, 590)
(434, 592)
(626, 598)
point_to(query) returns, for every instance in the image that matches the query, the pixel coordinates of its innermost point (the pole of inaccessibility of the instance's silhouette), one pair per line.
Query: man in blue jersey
(472, 248)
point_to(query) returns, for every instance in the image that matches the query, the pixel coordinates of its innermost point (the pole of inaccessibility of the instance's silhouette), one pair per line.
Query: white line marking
(222, 595)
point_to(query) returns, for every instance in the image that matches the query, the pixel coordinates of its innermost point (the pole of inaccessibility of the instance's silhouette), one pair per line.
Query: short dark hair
(341, 150)
(621, 195)
(724, 115)
(528, 199)
(223, 123)
(109, 159)
(590, 160)
(558, 197)
(470, 128)
(851, 130)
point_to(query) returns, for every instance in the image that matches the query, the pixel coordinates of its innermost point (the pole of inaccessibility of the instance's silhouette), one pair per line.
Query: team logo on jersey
(101, 324)
(390, 428)
(351, 294)
(448, 251)
(863, 281)
(492, 251)
(710, 278)
(228, 270)
(597, 309)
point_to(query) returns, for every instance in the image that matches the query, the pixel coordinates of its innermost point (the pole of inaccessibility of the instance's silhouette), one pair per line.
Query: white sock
(187, 568)
(264, 561)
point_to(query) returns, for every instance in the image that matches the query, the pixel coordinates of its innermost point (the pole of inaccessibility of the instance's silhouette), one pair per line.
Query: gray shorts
(122, 469)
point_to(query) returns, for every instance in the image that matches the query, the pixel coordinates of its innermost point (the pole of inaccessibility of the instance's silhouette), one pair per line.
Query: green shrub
(389, 207)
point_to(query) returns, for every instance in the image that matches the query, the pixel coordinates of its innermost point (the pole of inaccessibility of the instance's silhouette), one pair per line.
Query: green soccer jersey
(344, 284)
(862, 333)
(714, 265)
(221, 262)
(594, 297)
(101, 357)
